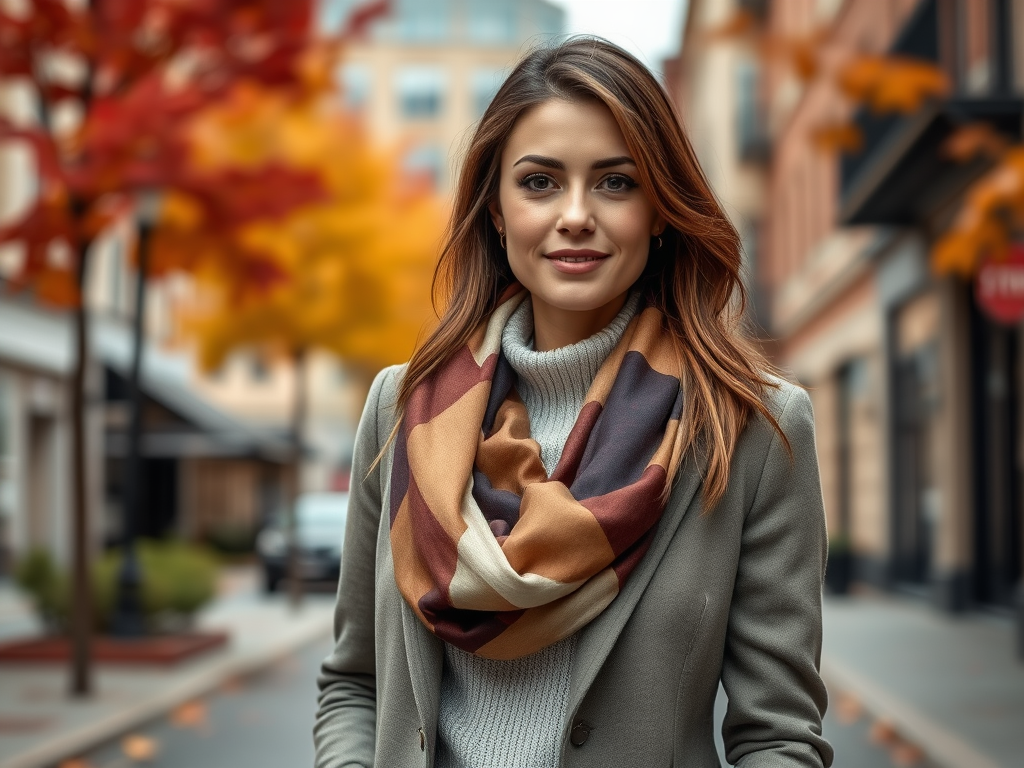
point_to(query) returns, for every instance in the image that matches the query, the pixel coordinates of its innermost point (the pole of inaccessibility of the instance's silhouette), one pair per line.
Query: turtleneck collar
(554, 384)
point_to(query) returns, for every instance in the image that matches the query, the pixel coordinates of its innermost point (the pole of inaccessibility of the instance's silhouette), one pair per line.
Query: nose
(576, 217)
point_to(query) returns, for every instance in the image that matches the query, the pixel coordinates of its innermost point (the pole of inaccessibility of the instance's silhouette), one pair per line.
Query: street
(265, 721)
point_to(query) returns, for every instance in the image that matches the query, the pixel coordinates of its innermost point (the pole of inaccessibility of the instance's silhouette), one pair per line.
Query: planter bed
(165, 650)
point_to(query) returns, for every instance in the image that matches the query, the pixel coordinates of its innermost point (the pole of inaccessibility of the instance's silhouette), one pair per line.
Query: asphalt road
(265, 721)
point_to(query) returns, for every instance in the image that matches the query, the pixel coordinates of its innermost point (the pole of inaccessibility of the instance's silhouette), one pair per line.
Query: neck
(554, 328)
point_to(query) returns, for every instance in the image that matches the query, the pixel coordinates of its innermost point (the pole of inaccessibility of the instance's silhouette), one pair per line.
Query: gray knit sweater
(508, 714)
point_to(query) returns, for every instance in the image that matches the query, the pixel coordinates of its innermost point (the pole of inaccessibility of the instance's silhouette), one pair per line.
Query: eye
(618, 182)
(537, 182)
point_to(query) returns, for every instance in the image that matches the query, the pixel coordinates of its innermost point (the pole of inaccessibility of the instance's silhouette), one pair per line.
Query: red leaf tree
(115, 84)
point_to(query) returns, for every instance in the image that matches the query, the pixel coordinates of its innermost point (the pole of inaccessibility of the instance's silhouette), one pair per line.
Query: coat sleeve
(773, 642)
(344, 732)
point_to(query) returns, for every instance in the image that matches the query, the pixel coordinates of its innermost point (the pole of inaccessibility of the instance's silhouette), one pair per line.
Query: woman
(586, 499)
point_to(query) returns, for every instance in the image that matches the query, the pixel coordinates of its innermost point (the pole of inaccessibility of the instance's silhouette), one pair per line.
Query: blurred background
(218, 221)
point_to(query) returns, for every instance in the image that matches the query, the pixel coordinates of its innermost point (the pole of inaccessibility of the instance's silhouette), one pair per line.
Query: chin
(579, 298)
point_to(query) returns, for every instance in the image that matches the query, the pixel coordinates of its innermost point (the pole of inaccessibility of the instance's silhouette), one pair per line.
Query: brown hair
(693, 279)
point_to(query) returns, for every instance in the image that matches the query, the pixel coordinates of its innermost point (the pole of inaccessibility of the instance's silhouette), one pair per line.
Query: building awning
(902, 175)
(190, 425)
(34, 337)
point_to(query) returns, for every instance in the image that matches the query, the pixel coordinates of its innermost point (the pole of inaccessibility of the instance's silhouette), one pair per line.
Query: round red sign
(999, 287)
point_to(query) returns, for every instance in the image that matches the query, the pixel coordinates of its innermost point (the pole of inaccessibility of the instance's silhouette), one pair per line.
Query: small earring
(658, 246)
(501, 237)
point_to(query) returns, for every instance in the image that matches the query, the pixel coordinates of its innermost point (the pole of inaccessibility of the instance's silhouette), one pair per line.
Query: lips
(573, 256)
(573, 261)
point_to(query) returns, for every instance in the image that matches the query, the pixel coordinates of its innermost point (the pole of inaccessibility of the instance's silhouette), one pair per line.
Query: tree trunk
(81, 613)
(299, 405)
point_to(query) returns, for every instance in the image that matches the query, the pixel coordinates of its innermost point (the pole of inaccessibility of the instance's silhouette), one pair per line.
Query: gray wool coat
(733, 595)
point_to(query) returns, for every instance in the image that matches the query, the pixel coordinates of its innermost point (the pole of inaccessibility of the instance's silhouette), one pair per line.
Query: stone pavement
(951, 685)
(40, 725)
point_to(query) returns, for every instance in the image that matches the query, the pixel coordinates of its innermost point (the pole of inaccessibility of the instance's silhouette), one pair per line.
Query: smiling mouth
(576, 257)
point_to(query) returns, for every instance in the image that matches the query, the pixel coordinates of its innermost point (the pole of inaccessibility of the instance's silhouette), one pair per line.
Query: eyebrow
(550, 162)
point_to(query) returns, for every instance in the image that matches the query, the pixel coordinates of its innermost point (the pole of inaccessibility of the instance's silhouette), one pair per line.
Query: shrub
(38, 575)
(177, 580)
(232, 538)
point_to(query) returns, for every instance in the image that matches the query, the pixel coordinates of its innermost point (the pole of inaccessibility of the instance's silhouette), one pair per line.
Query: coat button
(579, 734)
(423, 740)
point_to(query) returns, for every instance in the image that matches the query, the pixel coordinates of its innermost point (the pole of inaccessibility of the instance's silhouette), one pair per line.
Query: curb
(192, 683)
(942, 747)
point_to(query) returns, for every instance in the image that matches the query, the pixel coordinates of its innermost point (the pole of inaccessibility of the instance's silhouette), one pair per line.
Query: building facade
(917, 393)
(427, 71)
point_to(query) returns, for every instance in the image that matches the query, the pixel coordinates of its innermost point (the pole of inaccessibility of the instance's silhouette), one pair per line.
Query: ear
(495, 210)
(658, 226)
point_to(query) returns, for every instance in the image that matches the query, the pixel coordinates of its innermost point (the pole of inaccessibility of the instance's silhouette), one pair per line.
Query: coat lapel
(596, 640)
(425, 653)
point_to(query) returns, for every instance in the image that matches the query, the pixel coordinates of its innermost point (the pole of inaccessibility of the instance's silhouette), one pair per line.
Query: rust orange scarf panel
(494, 555)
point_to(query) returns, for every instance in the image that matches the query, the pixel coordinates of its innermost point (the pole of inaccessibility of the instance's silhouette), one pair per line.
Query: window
(750, 119)
(423, 21)
(426, 159)
(550, 20)
(483, 84)
(420, 91)
(356, 82)
(492, 22)
(332, 15)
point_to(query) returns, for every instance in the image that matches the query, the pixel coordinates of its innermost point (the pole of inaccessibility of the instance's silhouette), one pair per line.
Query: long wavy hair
(693, 279)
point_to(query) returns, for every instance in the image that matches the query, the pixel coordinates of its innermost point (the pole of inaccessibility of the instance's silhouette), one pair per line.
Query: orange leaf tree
(359, 262)
(992, 211)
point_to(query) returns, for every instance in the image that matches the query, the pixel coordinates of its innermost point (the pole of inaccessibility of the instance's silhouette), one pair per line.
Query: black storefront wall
(913, 535)
(158, 502)
(993, 574)
(998, 524)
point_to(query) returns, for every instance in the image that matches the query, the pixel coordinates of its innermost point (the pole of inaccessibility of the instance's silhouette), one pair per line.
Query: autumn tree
(114, 82)
(358, 263)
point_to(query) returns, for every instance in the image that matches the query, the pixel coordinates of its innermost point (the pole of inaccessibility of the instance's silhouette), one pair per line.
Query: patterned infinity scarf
(492, 554)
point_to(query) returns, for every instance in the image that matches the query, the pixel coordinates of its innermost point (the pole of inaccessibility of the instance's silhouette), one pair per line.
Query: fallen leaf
(191, 714)
(141, 749)
(848, 709)
(906, 755)
(883, 733)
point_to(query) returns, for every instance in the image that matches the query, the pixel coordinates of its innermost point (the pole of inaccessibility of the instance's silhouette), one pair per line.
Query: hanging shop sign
(999, 287)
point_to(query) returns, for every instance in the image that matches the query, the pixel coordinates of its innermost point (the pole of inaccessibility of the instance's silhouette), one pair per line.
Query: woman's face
(577, 224)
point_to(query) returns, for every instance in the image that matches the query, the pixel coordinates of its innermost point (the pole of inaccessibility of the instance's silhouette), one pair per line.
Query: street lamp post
(128, 618)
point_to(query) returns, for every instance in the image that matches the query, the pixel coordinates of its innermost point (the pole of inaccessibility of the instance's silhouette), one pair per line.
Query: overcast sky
(649, 29)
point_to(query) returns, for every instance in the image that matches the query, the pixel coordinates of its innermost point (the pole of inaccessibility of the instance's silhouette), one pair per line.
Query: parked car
(319, 534)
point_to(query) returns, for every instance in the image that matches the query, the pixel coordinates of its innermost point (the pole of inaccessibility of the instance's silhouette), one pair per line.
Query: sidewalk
(40, 725)
(949, 684)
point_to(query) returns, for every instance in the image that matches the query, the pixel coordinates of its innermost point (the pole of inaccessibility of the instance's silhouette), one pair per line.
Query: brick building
(917, 393)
